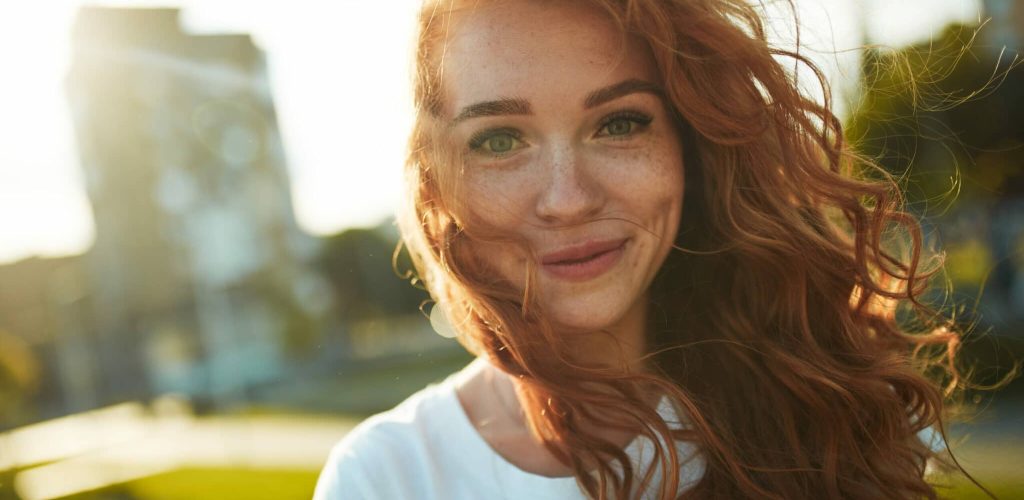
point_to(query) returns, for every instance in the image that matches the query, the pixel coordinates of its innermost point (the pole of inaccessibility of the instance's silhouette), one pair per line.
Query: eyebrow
(520, 106)
(504, 106)
(621, 89)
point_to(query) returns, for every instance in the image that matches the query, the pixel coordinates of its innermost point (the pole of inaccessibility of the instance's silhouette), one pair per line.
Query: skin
(560, 174)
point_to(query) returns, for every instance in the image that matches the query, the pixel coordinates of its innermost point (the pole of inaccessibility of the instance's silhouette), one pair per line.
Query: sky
(339, 72)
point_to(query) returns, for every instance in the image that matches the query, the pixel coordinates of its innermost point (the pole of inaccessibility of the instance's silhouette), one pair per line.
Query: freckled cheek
(652, 178)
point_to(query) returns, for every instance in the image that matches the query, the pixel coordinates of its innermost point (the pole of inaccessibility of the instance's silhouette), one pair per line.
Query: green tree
(946, 117)
(358, 264)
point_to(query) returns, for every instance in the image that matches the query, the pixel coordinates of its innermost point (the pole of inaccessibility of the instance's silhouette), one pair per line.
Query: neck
(620, 347)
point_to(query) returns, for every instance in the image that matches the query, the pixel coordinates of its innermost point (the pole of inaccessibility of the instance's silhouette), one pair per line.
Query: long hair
(788, 324)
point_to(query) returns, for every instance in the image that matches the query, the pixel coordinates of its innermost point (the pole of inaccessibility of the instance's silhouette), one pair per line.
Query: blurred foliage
(946, 118)
(357, 262)
(968, 262)
(300, 330)
(19, 380)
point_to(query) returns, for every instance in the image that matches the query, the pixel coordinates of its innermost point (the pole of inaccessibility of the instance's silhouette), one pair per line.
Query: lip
(585, 261)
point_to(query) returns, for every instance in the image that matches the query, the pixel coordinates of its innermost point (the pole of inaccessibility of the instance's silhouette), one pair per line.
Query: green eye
(496, 142)
(501, 143)
(619, 126)
(624, 124)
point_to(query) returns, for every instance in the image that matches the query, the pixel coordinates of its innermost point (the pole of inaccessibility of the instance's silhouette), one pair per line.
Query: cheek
(650, 182)
(493, 213)
(500, 260)
(665, 174)
(496, 200)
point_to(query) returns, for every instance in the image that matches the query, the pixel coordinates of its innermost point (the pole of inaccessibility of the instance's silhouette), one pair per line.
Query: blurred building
(198, 279)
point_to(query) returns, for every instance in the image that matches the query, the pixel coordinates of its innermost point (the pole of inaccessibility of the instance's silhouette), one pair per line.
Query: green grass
(213, 484)
(996, 464)
(1004, 488)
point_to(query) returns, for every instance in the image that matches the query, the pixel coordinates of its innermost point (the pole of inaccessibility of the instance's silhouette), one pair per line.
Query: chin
(585, 318)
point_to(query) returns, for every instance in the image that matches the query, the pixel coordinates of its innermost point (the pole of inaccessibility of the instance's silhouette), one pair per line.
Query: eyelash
(642, 120)
(478, 139)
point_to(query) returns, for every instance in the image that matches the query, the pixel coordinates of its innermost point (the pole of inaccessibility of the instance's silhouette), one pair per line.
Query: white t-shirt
(427, 448)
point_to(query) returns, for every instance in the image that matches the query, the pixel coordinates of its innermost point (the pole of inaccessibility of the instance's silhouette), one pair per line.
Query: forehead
(547, 52)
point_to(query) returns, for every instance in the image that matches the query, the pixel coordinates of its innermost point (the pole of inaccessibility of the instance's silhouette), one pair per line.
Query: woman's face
(568, 147)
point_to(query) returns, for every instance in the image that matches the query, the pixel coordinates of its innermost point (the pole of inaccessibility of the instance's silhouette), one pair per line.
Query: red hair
(788, 325)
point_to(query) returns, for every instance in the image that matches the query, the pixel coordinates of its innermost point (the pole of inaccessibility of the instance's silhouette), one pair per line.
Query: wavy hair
(773, 325)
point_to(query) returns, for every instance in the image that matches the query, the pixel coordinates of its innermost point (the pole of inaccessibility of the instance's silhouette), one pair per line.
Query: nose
(571, 194)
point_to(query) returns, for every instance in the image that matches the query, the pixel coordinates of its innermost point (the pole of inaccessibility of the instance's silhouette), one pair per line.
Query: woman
(674, 280)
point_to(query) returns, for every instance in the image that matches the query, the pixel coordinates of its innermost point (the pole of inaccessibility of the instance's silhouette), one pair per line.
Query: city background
(197, 296)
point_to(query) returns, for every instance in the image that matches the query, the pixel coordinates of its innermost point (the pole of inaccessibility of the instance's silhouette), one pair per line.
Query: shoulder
(364, 463)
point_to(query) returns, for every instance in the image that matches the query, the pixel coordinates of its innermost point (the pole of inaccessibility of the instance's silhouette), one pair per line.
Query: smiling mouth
(584, 262)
